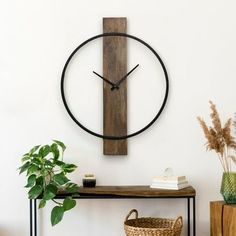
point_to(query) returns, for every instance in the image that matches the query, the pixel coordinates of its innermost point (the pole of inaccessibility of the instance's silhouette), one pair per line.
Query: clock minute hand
(106, 80)
(124, 77)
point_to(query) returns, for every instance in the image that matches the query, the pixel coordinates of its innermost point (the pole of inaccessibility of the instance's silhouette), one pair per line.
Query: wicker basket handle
(178, 220)
(132, 211)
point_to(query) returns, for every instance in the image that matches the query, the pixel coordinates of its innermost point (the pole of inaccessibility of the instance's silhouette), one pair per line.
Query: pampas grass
(219, 138)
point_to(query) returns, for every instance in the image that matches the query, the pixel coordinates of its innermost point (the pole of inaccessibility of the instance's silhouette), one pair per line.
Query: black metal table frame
(33, 209)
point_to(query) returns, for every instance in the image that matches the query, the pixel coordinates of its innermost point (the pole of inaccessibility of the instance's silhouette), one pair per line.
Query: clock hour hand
(106, 80)
(123, 78)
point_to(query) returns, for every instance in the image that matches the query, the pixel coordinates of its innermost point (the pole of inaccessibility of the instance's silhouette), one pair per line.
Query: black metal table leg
(31, 218)
(188, 217)
(35, 217)
(194, 217)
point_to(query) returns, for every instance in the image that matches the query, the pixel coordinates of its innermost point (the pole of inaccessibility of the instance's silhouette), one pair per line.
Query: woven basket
(152, 226)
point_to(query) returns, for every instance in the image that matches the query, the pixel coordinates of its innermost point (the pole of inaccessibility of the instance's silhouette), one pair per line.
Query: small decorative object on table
(147, 226)
(220, 139)
(169, 181)
(89, 181)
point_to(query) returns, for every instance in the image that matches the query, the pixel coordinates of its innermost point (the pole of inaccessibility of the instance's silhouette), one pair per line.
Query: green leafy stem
(47, 174)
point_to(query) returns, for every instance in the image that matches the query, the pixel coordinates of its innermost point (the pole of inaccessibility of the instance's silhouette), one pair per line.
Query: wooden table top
(134, 192)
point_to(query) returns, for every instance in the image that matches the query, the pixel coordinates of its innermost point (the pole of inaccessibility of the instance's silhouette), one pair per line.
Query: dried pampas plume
(215, 118)
(219, 139)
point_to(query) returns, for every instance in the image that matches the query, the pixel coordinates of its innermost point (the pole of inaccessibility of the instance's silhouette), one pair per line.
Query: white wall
(197, 42)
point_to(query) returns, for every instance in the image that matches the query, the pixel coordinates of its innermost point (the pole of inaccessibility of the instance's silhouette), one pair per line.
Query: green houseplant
(220, 139)
(46, 175)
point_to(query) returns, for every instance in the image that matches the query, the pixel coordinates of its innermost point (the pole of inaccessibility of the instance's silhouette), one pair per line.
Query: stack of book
(169, 182)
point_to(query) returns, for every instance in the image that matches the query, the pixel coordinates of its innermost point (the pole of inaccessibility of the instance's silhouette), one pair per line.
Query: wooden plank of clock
(114, 102)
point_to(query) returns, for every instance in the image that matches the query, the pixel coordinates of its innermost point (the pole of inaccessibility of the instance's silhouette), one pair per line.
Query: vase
(228, 187)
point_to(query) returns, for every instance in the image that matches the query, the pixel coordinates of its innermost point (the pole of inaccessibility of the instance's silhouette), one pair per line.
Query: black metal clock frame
(110, 35)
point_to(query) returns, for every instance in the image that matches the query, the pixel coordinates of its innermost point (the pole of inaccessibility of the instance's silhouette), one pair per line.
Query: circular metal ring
(106, 136)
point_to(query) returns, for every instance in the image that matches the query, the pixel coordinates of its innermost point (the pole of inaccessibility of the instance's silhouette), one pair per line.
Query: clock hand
(106, 80)
(123, 78)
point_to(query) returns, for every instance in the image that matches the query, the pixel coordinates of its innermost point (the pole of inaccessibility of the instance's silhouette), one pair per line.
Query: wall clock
(111, 50)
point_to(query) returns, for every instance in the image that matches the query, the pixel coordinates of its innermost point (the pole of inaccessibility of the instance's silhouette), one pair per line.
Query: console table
(125, 192)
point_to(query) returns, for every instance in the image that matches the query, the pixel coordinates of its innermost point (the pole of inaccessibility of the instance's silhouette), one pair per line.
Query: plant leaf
(60, 179)
(49, 163)
(55, 151)
(57, 215)
(34, 149)
(35, 191)
(31, 181)
(50, 192)
(25, 158)
(44, 150)
(61, 144)
(59, 163)
(42, 203)
(32, 169)
(68, 203)
(40, 181)
(24, 167)
(71, 188)
(48, 195)
(68, 168)
(36, 161)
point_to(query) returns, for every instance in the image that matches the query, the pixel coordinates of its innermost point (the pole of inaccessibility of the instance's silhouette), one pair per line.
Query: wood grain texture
(222, 219)
(114, 102)
(216, 218)
(136, 191)
(229, 220)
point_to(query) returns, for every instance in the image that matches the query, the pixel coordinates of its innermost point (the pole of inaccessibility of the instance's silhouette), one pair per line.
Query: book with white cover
(169, 181)
(172, 178)
(171, 187)
(169, 184)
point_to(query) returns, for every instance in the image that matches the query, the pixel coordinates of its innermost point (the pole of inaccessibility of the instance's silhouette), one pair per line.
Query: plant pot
(228, 187)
